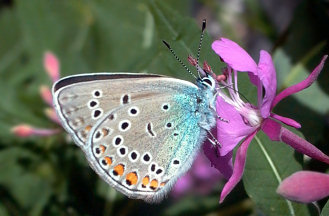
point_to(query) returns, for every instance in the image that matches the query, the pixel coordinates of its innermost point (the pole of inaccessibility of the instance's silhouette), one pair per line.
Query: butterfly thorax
(206, 98)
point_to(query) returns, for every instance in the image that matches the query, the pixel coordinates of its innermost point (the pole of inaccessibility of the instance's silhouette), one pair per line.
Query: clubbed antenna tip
(165, 43)
(200, 43)
(204, 22)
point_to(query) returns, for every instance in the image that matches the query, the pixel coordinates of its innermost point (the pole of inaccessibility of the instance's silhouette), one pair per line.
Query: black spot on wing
(149, 129)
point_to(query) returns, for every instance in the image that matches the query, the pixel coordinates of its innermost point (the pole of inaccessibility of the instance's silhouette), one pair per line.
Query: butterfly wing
(146, 136)
(145, 153)
(81, 100)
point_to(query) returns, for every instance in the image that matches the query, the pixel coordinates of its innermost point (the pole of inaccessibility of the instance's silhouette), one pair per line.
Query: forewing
(81, 100)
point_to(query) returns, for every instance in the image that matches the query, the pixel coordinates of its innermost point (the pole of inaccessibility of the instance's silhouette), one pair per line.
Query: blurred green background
(50, 176)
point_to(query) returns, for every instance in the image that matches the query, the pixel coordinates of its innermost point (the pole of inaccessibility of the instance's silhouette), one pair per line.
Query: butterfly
(139, 132)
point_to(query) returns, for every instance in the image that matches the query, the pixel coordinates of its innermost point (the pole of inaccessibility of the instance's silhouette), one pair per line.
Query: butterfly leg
(222, 119)
(213, 139)
(218, 116)
(211, 105)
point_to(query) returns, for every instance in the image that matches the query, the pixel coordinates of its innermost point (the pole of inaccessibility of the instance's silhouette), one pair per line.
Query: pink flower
(200, 179)
(24, 130)
(46, 95)
(51, 65)
(246, 119)
(305, 186)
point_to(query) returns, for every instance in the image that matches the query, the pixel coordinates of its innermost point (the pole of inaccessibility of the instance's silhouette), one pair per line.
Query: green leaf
(313, 97)
(268, 163)
(11, 47)
(3, 211)
(325, 209)
(193, 206)
(182, 33)
(29, 190)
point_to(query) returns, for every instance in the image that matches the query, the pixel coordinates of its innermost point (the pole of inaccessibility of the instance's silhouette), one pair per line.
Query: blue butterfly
(139, 132)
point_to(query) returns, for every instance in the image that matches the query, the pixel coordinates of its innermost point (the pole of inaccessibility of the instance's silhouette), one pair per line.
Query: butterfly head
(207, 83)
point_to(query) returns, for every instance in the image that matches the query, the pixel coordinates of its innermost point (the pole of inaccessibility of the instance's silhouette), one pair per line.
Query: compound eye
(207, 81)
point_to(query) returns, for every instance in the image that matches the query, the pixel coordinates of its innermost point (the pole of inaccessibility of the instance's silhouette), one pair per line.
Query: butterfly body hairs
(139, 132)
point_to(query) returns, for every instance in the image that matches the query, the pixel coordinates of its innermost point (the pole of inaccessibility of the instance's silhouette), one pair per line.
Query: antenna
(178, 59)
(204, 22)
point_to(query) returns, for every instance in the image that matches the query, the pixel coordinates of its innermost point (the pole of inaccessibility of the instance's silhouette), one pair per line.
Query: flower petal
(272, 129)
(302, 145)
(253, 79)
(200, 179)
(51, 65)
(24, 130)
(46, 95)
(51, 114)
(302, 85)
(182, 185)
(287, 121)
(266, 74)
(222, 163)
(230, 133)
(202, 170)
(239, 164)
(305, 186)
(233, 55)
